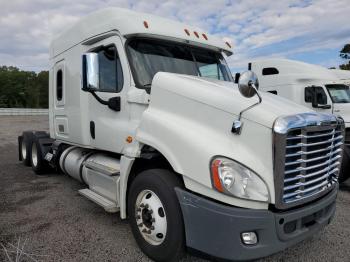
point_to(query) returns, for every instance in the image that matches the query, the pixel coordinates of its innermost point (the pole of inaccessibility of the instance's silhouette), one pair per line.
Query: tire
(164, 243)
(25, 147)
(37, 162)
(344, 173)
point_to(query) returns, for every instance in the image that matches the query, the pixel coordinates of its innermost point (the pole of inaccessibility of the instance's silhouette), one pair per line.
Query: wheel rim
(34, 155)
(150, 217)
(24, 150)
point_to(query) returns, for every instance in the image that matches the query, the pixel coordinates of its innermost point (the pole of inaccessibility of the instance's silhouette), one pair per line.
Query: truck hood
(226, 96)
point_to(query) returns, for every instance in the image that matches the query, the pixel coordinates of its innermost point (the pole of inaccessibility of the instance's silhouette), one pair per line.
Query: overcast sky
(311, 31)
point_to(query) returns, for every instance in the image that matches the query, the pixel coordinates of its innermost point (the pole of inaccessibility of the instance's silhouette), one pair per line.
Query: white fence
(23, 111)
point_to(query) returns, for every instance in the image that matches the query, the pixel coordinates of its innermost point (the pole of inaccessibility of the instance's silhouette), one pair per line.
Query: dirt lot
(46, 218)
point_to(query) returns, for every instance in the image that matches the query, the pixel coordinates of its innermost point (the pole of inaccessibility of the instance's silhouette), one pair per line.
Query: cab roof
(130, 23)
(284, 71)
(298, 69)
(342, 74)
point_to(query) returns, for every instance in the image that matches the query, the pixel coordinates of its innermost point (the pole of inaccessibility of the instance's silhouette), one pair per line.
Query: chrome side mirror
(248, 84)
(90, 72)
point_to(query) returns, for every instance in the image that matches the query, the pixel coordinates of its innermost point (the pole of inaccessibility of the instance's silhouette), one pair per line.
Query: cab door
(109, 127)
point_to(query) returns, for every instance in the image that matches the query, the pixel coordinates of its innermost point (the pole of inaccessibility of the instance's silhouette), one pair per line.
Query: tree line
(20, 88)
(345, 54)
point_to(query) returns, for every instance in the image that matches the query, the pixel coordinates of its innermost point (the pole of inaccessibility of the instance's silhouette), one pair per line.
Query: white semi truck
(144, 112)
(313, 86)
(343, 75)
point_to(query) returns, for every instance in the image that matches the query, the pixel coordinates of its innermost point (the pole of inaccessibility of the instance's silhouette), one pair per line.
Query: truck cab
(145, 114)
(315, 87)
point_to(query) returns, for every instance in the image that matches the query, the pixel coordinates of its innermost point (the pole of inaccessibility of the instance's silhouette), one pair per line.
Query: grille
(307, 156)
(312, 161)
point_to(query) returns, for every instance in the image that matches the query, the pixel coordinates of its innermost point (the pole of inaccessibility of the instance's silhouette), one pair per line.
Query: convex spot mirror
(248, 84)
(90, 72)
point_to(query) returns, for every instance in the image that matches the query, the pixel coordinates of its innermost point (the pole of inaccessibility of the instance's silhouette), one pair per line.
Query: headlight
(232, 178)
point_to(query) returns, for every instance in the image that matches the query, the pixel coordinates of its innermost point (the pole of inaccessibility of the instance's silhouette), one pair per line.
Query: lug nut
(146, 206)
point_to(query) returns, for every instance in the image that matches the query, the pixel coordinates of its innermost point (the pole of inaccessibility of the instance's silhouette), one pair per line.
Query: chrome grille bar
(298, 177)
(314, 159)
(313, 136)
(317, 143)
(299, 184)
(300, 169)
(315, 151)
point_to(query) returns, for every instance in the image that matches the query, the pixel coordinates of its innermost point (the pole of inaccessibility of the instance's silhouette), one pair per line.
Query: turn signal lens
(215, 175)
(129, 139)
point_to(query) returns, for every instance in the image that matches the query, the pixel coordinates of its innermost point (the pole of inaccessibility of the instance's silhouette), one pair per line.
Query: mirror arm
(250, 107)
(99, 99)
(112, 103)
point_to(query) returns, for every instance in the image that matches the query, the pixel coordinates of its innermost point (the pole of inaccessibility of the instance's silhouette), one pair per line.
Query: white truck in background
(343, 75)
(316, 87)
(145, 114)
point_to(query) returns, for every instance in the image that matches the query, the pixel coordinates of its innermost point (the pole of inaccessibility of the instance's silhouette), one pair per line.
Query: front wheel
(155, 215)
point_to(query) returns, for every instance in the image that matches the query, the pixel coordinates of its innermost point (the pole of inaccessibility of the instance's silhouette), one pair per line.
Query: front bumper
(215, 229)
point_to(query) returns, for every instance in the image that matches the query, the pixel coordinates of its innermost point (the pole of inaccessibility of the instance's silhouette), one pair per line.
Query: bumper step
(107, 204)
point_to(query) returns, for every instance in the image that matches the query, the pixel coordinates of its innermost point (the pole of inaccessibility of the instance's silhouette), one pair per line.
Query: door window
(320, 95)
(110, 70)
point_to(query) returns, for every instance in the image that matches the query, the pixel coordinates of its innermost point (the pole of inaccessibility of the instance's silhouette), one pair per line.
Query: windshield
(339, 93)
(148, 57)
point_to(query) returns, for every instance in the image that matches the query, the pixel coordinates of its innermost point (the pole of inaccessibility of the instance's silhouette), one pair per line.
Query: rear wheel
(25, 147)
(155, 215)
(38, 164)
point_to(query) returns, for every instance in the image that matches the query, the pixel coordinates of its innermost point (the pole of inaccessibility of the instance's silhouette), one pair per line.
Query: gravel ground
(49, 221)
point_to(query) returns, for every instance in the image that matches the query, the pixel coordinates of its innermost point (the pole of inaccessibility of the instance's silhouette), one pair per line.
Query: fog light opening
(249, 238)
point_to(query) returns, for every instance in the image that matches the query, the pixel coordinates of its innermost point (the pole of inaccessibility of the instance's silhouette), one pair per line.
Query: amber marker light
(129, 139)
(196, 34)
(216, 176)
(187, 32)
(145, 24)
(205, 36)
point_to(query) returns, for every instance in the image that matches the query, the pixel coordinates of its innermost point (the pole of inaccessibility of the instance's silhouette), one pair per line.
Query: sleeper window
(111, 74)
(59, 85)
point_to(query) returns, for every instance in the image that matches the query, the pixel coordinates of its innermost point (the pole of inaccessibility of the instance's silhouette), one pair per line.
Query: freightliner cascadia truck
(145, 114)
(313, 86)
